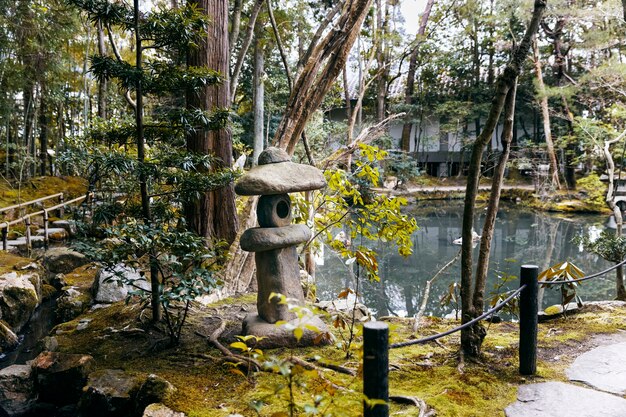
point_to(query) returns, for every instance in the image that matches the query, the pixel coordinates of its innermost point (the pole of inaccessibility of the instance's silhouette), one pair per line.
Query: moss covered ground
(38, 187)
(121, 337)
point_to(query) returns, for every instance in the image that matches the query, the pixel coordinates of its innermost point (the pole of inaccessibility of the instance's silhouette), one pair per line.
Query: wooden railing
(45, 212)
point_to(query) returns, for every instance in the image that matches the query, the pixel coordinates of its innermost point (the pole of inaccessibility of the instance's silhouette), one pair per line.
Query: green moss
(39, 187)
(8, 262)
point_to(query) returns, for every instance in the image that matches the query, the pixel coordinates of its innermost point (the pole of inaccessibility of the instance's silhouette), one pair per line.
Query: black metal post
(528, 310)
(376, 368)
(5, 237)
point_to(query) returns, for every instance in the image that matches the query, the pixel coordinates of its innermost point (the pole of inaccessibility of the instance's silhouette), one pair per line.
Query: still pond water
(521, 237)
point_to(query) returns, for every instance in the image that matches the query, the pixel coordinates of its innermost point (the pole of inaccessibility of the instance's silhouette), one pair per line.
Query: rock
(283, 336)
(56, 234)
(273, 155)
(49, 343)
(60, 377)
(17, 390)
(345, 306)
(154, 390)
(8, 338)
(68, 225)
(71, 304)
(557, 399)
(35, 242)
(258, 239)
(111, 286)
(603, 368)
(558, 310)
(83, 324)
(18, 298)
(63, 260)
(160, 410)
(108, 393)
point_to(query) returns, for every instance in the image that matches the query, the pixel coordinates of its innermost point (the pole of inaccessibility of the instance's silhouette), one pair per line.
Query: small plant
(452, 297)
(512, 307)
(250, 352)
(565, 271)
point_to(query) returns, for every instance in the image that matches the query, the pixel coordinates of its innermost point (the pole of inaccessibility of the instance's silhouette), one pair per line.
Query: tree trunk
(409, 90)
(258, 96)
(543, 102)
(617, 212)
(213, 215)
(471, 337)
(102, 84)
(381, 58)
(234, 78)
(325, 62)
(44, 130)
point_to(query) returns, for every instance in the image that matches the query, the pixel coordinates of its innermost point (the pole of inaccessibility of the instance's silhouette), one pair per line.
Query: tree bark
(44, 131)
(102, 84)
(547, 130)
(318, 74)
(409, 90)
(617, 212)
(471, 337)
(494, 201)
(234, 78)
(258, 95)
(213, 215)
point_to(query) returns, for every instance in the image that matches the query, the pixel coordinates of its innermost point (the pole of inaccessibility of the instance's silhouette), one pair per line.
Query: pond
(521, 237)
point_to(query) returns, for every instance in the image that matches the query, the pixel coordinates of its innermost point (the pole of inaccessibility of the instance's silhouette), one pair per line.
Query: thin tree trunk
(494, 200)
(235, 26)
(547, 130)
(617, 212)
(279, 44)
(258, 96)
(213, 215)
(409, 90)
(471, 337)
(234, 78)
(44, 130)
(102, 83)
(346, 92)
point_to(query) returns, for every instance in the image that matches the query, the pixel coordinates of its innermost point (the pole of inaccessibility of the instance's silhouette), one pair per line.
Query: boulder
(17, 390)
(8, 338)
(68, 225)
(60, 377)
(71, 304)
(108, 393)
(111, 286)
(153, 390)
(160, 410)
(18, 298)
(56, 234)
(63, 260)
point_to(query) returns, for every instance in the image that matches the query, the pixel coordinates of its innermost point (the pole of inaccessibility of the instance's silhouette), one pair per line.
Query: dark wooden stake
(5, 238)
(376, 368)
(46, 238)
(528, 310)
(62, 208)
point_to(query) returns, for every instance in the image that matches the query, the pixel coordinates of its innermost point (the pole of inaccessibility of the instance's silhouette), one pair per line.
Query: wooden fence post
(528, 310)
(46, 239)
(5, 237)
(62, 208)
(376, 368)
(28, 242)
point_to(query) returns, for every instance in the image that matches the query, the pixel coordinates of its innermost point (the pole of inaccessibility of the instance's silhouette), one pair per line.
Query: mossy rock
(8, 338)
(18, 299)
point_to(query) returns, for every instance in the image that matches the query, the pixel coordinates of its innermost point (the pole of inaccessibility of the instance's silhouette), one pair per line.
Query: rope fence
(376, 338)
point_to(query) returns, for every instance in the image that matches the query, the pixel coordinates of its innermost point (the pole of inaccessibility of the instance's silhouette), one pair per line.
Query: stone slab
(280, 178)
(603, 368)
(558, 399)
(282, 336)
(260, 239)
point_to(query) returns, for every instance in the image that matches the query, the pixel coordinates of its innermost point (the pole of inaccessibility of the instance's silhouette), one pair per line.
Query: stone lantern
(274, 242)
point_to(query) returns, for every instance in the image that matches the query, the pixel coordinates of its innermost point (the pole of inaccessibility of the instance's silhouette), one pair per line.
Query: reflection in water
(520, 237)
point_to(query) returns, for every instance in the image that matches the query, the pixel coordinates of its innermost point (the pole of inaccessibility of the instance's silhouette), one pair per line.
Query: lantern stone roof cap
(276, 174)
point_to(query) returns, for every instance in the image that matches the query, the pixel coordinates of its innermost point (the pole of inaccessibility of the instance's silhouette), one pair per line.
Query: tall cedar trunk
(547, 130)
(471, 337)
(494, 201)
(383, 71)
(617, 212)
(44, 129)
(213, 215)
(29, 116)
(102, 83)
(409, 90)
(320, 70)
(259, 95)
